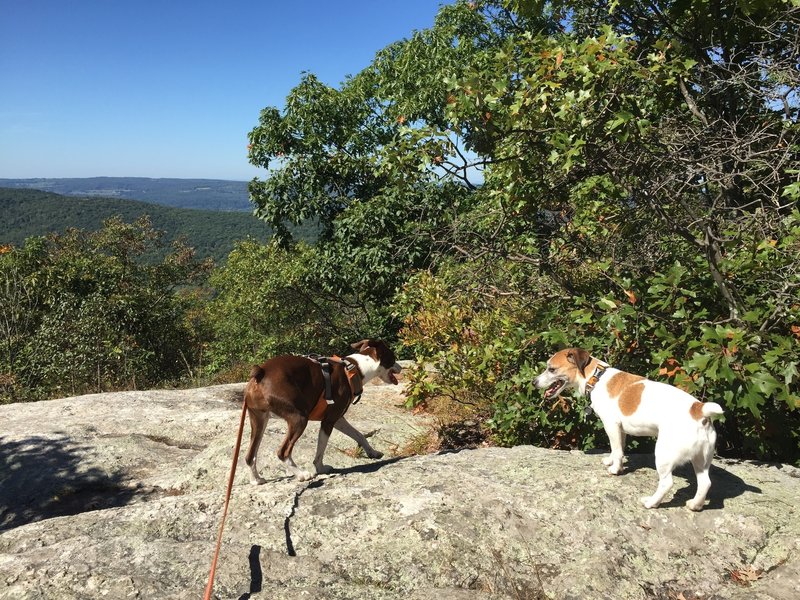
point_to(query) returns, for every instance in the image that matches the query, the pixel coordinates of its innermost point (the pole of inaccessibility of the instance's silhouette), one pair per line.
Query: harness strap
(352, 372)
(325, 365)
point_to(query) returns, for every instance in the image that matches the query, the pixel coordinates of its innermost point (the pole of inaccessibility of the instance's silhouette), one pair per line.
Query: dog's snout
(541, 380)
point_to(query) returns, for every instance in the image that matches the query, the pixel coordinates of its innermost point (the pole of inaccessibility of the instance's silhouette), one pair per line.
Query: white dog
(630, 404)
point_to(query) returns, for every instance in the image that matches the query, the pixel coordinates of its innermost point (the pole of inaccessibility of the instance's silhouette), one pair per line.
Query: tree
(19, 308)
(84, 311)
(263, 306)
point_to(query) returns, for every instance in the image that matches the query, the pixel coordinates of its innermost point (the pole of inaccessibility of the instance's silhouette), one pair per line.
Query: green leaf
(607, 304)
(688, 63)
(752, 401)
(764, 382)
(698, 362)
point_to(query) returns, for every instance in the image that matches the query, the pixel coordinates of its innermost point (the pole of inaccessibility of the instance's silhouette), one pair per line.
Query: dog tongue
(552, 389)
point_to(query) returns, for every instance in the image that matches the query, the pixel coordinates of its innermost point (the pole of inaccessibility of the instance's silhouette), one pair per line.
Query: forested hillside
(26, 213)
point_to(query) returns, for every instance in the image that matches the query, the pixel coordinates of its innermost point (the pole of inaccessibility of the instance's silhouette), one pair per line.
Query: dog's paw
(375, 454)
(615, 469)
(304, 476)
(257, 480)
(324, 469)
(648, 502)
(695, 506)
(607, 461)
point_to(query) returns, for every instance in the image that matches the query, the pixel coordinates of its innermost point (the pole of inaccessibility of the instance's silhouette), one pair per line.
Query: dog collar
(594, 378)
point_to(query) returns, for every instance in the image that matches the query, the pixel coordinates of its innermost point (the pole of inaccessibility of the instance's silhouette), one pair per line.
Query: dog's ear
(365, 347)
(359, 346)
(580, 358)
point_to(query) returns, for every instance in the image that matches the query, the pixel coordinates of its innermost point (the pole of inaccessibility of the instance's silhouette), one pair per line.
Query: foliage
(646, 178)
(267, 303)
(323, 152)
(484, 355)
(81, 312)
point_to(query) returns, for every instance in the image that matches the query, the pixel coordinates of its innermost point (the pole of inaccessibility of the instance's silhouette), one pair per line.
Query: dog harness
(326, 398)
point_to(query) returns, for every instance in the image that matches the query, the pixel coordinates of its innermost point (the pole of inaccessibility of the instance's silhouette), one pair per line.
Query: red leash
(210, 585)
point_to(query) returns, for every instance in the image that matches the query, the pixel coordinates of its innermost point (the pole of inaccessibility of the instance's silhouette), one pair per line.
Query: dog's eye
(551, 369)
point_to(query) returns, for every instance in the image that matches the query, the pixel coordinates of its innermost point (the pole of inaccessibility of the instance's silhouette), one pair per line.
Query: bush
(83, 312)
(485, 350)
(267, 301)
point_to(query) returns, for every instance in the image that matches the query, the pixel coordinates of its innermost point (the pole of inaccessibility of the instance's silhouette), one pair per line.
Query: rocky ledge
(119, 496)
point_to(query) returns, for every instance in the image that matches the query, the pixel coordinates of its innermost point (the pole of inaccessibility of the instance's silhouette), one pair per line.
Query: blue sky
(170, 88)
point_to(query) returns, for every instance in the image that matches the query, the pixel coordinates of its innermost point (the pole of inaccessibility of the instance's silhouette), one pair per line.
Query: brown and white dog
(290, 387)
(630, 404)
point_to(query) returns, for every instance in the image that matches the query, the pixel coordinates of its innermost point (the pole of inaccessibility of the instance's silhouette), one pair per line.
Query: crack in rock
(289, 513)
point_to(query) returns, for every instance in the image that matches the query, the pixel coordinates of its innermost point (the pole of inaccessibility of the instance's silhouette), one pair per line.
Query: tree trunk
(714, 258)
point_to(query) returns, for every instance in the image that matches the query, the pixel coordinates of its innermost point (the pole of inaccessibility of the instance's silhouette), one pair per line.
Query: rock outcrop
(119, 496)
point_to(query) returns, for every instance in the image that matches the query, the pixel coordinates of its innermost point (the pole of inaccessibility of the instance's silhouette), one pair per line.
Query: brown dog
(293, 388)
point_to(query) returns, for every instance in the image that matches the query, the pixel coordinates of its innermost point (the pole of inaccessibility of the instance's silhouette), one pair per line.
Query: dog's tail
(258, 374)
(712, 409)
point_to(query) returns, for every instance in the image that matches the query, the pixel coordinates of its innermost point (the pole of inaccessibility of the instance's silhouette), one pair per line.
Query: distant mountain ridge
(204, 194)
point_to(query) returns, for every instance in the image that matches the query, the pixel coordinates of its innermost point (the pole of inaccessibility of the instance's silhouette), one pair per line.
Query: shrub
(84, 312)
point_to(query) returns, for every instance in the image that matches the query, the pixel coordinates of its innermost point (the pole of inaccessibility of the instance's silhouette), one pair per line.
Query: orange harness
(353, 378)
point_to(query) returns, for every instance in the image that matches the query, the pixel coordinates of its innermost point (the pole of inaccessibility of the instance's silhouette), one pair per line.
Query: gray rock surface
(119, 496)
